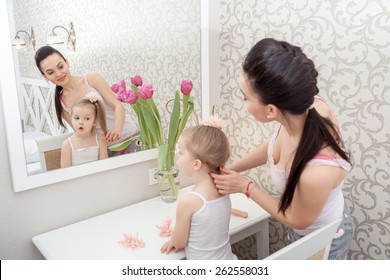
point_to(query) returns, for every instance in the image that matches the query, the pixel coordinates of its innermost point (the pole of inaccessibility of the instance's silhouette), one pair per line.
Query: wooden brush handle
(239, 213)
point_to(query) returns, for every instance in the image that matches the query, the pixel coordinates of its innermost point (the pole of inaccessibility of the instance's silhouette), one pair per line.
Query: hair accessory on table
(131, 241)
(239, 213)
(213, 121)
(166, 228)
(92, 96)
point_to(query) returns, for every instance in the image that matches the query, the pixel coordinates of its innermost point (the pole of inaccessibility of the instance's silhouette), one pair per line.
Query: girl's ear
(197, 164)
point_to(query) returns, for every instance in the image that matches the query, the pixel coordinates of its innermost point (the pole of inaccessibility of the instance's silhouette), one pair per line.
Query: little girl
(85, 145)
(203, 215)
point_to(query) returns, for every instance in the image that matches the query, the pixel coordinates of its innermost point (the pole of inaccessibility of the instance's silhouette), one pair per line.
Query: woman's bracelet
(247, 190)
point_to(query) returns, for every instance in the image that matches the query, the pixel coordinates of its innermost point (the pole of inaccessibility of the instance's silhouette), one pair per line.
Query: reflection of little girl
(203, 215)
(85, 145)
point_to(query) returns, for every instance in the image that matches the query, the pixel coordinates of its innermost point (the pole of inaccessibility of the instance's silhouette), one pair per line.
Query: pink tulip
(145, 91)
(131, 97)
(136, 80)
(186, 87)
(121, 84)
(121, 94)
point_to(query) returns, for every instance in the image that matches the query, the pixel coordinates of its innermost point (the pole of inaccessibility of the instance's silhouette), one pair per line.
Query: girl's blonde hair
(208, 144)
(100, 112)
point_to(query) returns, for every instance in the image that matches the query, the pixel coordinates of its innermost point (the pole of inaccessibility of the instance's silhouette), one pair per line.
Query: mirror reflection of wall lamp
(19, 43)
(54, 39)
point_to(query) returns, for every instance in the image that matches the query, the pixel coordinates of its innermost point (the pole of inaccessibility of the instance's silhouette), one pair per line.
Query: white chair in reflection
(314, 246)
(49, 149)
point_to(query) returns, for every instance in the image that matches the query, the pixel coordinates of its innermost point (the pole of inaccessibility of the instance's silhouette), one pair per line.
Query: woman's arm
(310, 196)
(66, 158)
(255, 158)
(99, 83)
(186, 206)
(102, 148)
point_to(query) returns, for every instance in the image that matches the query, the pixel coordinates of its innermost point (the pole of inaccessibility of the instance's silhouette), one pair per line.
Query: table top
(99, 237)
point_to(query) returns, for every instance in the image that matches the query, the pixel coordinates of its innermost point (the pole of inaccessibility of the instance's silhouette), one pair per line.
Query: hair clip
(214, 121)
(131, 241)
(92, 96)
(166, 227)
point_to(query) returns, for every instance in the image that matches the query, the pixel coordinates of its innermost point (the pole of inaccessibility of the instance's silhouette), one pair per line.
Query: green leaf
(173, 125)
(154, 111)
(154, 108)
(144, 135)
(186, 114)
(134, 88)
(162, 156)
(151, 124)
(123, 145)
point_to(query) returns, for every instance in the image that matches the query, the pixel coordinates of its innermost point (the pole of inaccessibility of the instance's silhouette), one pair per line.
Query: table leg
(262, 240)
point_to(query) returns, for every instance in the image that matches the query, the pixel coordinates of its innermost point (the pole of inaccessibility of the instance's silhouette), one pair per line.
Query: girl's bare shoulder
(66, 144)
(190, 202)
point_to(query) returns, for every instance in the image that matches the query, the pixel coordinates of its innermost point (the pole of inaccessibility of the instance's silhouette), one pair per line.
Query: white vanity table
(98, 237)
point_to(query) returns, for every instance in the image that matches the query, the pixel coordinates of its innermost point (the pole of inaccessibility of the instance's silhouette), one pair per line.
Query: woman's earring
(268, 116)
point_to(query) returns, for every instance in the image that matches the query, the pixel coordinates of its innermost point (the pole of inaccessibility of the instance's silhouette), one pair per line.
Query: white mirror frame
(20, 179)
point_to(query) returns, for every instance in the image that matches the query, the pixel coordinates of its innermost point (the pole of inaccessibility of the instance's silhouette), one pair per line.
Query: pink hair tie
(214, 121)
(93, 96)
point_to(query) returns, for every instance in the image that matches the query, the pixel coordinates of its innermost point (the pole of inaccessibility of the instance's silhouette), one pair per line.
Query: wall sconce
(53, 39)
(19, 43)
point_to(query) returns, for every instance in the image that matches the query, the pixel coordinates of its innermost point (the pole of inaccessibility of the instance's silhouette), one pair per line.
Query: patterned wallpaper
(349, 43)
(159, 40)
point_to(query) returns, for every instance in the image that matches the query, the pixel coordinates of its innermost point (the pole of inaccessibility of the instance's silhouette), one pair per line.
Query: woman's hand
(113, 135)
(229, 181)
(168, 247)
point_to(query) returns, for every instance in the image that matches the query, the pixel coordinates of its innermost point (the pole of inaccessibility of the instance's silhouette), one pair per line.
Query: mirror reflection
(158, 40)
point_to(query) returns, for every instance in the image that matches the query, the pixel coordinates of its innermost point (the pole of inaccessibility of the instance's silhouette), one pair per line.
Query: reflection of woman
(305, 156)
(69, 89)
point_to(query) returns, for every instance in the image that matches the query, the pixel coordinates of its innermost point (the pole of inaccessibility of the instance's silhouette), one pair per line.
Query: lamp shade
(55, 40)
(18, 43)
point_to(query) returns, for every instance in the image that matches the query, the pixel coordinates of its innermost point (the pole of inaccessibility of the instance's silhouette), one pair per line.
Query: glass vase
(168, 183)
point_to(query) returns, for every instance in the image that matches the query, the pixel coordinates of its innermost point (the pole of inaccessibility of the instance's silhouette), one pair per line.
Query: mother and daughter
(306, 159)
(71, 89)
(306, 156)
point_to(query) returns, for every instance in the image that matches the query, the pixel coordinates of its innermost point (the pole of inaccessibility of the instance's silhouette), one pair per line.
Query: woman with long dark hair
(70, 89)
(306, 156)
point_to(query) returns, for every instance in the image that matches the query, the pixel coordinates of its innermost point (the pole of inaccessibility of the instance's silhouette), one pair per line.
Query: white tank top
(209, 231)
(334, 206)
(84, 155)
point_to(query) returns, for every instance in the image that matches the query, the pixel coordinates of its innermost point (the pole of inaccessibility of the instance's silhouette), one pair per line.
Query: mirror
(91, 44)
(160, 41)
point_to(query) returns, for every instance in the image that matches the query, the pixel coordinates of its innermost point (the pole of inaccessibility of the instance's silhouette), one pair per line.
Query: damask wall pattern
(159, 40)
(349, 44)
